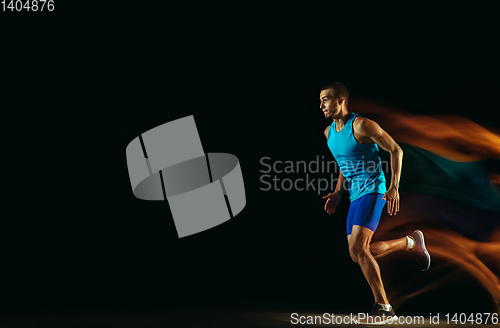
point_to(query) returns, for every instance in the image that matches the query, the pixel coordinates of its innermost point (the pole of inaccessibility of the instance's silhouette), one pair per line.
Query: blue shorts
(365, 211)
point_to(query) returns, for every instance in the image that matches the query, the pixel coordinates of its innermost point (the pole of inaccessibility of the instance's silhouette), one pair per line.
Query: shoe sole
(386, 321)
(426, 253)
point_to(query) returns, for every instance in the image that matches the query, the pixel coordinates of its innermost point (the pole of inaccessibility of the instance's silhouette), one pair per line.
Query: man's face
(329, 104)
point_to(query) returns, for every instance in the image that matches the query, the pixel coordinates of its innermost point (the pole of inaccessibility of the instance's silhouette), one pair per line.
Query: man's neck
(342, 120)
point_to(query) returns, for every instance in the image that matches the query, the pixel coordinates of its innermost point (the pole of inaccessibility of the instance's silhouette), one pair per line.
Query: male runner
(354, 141)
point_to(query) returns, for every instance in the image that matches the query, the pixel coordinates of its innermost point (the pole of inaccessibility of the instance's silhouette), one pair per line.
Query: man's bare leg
(382, 248)
(359, 248)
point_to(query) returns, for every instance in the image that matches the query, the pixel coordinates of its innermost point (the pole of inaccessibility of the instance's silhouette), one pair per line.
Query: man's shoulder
(365, 127)
(361, 122)
(326, 131)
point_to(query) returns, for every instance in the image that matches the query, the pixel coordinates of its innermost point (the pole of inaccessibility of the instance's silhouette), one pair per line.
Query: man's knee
(358, 252)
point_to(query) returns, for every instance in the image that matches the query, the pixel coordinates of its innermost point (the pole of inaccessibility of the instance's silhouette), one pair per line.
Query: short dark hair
(338, 89)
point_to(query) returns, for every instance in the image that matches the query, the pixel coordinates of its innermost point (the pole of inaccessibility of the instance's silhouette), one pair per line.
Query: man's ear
(341, 100)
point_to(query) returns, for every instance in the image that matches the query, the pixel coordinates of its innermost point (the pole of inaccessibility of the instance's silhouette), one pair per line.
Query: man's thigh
(365, 212)
(360, 236)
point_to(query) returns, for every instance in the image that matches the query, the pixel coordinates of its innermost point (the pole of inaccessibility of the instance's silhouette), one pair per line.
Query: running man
(354, 142)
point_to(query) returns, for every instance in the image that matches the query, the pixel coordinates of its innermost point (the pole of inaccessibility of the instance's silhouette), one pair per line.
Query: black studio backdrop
(104, 249)
(282, 251)
(84, 242)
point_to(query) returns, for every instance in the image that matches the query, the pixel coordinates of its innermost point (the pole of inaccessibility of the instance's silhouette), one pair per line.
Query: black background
(80, 83)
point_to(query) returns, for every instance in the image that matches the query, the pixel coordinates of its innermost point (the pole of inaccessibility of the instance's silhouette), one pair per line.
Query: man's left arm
(370, 129)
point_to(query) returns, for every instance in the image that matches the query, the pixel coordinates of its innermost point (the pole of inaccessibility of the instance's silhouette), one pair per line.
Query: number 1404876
(28, 5)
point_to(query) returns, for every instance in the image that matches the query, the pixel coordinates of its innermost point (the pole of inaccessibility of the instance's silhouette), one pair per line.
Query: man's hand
(332, 201)
(392, 197)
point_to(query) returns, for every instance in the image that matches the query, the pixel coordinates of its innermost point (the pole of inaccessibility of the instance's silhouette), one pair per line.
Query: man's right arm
(339, 189)
(333, 199)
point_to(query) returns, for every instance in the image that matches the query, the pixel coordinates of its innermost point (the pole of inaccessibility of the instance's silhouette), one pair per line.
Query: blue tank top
(359, 163)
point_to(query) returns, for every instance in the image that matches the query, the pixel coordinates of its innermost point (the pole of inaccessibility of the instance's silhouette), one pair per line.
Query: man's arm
(333, 199)
(339, 189)
(366, 128)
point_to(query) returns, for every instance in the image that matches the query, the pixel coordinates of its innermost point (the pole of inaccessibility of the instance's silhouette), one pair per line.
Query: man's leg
(382, 248)
(365, 222)
(359, 248)
(366, 211)
(417, 247)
